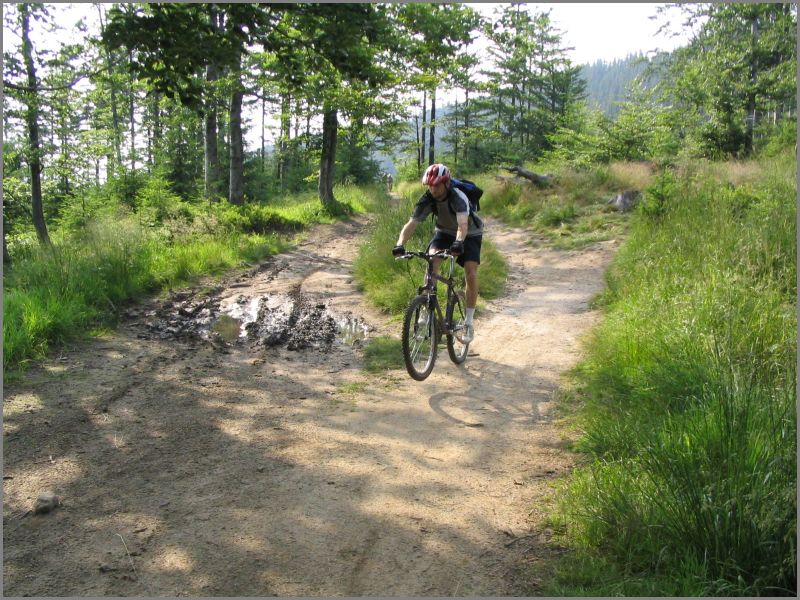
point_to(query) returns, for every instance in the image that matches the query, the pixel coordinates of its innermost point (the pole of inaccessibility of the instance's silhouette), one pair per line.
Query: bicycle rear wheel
(419, 337)
(455, 316)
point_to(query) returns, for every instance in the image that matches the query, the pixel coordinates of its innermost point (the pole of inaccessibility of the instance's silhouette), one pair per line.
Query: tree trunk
(432, 144)
(539, 180)
(466, 126)
(263, 133)
(424, 122)
(211, 147)
(751, 95)
(211, 166)
(283, 160)
(416, 129)
(132, 109)
(115, 124)
(456, 135)
(327, 162)
(32, 121)
(236, 188)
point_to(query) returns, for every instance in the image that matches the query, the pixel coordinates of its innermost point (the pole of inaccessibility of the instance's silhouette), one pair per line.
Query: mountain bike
(423, 324)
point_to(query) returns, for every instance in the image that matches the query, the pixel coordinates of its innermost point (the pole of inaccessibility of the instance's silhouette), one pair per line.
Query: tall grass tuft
(689, 397)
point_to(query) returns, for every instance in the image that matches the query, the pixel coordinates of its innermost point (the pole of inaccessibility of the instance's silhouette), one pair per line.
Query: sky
(602, 31)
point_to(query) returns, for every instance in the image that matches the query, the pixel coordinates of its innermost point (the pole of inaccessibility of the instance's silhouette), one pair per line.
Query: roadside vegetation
(574, 211)
(107, 253)
(685, 401)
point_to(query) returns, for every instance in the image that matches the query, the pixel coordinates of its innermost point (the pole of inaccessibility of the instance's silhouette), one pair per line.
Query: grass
(383, 354)
(573, 212)
(52, 297)
(686, 397)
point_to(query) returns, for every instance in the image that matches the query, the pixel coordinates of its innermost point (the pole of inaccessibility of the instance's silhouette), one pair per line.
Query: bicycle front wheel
(419, 337)
(455, 316)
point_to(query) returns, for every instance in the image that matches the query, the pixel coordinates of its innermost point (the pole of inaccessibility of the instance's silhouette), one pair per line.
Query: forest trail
(196, 468)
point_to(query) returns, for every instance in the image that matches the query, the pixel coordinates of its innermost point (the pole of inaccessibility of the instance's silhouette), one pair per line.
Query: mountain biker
(455, 231)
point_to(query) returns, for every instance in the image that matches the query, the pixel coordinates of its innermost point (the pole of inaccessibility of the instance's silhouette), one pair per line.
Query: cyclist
(455, 230)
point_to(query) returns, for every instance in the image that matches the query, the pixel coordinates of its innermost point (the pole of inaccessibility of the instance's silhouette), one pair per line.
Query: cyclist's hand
(398, 251)
(457, 248)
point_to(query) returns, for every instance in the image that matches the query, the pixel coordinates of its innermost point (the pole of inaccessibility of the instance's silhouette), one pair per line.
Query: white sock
(470, 314)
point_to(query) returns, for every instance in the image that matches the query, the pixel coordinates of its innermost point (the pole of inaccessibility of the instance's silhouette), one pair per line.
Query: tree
(738, 71)
(436, 33)
(29, 95)
(350, 46)
(175, 44)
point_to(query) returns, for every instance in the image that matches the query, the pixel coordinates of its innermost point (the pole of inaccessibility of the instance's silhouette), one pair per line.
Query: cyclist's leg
(471, 276)
(470, 261)
(440, 241)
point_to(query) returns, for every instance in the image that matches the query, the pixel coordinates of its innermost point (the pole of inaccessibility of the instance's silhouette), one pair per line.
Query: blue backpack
(471, 191)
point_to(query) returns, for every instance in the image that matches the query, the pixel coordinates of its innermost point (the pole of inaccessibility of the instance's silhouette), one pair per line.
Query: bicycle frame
(432, 277)
(423, 325)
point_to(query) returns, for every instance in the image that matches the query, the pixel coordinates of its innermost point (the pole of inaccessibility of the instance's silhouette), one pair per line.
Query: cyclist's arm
(463, 226)
(407, 231)
(462, 214)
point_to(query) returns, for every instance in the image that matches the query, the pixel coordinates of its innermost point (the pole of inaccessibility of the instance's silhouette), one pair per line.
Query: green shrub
(553, 216)
(382, 354)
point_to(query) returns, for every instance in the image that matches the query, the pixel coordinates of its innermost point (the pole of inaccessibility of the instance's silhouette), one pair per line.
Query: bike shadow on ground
(496, 395)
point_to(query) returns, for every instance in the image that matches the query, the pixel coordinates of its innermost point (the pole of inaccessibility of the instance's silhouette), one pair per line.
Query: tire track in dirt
(221, 471)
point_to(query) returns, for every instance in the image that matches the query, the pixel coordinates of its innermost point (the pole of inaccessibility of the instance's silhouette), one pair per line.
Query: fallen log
(539, 180)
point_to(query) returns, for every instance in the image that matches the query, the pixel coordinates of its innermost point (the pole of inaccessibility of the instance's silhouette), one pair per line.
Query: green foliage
(658, 195)
(771, 140)
(155, 201)
(555, 215)
(688, 395)
(738, 71)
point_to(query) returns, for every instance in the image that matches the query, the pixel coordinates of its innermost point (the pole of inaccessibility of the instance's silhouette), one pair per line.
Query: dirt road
(200, 467)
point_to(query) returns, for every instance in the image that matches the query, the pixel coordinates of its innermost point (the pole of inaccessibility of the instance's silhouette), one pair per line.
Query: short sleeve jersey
(445, 217)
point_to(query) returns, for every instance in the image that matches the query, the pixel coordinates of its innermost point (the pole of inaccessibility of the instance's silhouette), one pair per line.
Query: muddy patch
(295, 321)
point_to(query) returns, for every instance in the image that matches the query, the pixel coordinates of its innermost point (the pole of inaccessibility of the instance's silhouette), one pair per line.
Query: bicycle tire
(419, 337)
(455, 315)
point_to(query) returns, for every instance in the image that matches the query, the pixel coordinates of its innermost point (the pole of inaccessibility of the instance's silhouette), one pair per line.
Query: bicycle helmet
(436, 173)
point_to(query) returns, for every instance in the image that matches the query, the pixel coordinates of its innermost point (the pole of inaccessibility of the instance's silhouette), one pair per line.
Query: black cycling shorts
(472, 246)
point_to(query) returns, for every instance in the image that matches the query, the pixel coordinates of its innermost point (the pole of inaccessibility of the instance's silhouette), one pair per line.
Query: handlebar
(426, 256)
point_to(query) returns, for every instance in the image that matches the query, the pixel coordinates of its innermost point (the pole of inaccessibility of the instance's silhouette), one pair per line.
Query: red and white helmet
(436, 173)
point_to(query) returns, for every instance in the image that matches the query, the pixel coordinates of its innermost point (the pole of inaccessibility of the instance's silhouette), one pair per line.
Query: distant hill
(607, 83)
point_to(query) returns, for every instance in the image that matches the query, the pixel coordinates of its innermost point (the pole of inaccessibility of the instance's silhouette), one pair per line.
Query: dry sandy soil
(192, 467)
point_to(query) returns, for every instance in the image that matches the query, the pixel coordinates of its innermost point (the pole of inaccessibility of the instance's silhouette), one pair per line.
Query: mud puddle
(295, 321)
